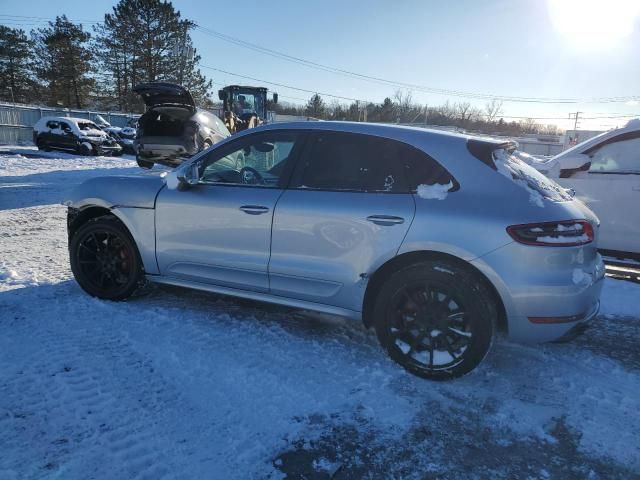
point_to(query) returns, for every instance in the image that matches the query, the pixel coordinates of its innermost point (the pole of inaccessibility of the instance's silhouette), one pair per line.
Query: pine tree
(146, 41)
(315, 107)
(17, 82)
(64, 63)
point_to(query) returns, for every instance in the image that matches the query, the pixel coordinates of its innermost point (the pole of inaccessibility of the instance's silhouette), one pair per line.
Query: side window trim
(235, 144)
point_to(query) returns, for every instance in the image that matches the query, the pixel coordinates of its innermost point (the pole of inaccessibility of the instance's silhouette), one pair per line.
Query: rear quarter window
(538, 186)
(500, 157)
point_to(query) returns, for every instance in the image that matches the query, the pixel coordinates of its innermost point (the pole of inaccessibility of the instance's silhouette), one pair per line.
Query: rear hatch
(161, 93)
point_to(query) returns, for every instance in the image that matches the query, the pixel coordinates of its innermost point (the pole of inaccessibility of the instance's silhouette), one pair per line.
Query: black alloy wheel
(435, 320)
(105, 260)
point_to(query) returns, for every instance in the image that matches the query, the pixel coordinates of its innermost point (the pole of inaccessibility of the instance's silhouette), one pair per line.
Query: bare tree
(493, 110)
(463, 111)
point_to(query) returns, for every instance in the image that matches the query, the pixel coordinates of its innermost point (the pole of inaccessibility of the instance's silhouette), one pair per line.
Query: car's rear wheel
(105, 260)
(435, 319)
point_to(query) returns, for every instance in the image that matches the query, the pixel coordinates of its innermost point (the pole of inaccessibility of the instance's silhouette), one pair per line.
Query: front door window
(257, 161)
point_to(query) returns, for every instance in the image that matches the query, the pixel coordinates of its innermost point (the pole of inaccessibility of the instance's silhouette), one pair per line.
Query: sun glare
(594, 24)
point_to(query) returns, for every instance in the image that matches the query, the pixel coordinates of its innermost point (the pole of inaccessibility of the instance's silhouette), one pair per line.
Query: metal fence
(17, 121)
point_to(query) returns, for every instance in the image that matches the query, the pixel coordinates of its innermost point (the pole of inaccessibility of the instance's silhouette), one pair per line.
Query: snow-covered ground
(180, 384)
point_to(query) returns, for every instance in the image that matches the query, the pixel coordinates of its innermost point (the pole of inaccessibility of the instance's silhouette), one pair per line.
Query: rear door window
(53, 124)
(339, 161)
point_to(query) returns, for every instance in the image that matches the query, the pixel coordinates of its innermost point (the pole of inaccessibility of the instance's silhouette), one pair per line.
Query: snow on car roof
(67, 119)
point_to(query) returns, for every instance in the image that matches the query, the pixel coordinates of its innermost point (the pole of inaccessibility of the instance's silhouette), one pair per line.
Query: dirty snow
(436, 191)
(180, 384)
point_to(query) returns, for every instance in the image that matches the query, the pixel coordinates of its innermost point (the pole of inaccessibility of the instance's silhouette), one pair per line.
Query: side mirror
(573, 163)
(183, 177)
(275, 98)
(222, 95)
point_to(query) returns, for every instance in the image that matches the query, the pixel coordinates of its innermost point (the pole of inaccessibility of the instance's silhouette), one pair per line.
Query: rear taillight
(566, 233)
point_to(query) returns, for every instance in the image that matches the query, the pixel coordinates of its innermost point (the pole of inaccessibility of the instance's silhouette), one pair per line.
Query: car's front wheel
(43, 145)
(144, 163)
(104, 259)
(86, 149)
(435, 319)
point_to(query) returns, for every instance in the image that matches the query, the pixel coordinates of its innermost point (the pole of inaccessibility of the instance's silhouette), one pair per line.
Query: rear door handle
(254, 209)
(385, 220)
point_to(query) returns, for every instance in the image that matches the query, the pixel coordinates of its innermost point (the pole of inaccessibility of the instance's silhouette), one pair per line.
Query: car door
(346, 211)
(66, 137)
(52, 133)
(611, 188)
(219, 231)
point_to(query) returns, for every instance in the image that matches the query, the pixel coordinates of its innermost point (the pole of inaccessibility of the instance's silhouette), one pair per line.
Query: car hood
(162, 93)
(136, 191)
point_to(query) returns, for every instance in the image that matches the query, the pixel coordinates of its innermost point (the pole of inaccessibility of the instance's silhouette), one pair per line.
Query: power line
(340, 97)
(439, 91)
(379, 80)
(370, 101)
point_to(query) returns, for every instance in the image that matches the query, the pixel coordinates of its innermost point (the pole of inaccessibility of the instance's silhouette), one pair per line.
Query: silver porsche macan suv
(436, 240)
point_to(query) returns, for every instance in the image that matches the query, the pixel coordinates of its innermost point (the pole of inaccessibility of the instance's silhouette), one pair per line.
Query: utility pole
(575, 116)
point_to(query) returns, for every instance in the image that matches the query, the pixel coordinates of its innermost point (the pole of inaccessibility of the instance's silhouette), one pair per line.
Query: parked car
(77, 135)
(604, 172)
(437, 240)
(125, 136)
(173, 128)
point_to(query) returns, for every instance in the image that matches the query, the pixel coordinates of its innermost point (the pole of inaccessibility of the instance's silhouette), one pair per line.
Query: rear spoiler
(483, 149)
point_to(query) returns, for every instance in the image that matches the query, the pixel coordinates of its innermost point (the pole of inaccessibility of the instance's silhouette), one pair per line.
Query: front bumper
(107, 149)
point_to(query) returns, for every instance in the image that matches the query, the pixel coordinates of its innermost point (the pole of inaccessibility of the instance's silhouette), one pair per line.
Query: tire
(144, 163)
(105, 260)
(85, 149)
(42, 145)
(435, 319)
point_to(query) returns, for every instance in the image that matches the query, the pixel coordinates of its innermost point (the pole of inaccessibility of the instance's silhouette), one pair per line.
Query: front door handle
(254, 209)
(636, 189)
(385, 220)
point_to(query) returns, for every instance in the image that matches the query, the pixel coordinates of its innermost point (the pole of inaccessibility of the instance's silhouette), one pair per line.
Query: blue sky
(499, 47)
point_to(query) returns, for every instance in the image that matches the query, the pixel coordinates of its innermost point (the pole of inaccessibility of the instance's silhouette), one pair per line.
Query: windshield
(247, 102)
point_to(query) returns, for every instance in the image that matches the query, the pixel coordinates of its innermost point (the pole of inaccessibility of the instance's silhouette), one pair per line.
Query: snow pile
(579, 276)
(7, 275)
(436, 191)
